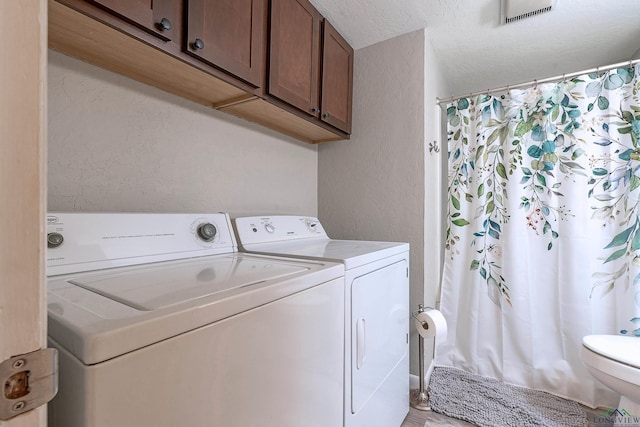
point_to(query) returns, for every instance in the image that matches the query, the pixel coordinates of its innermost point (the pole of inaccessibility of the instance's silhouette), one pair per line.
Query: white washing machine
(160, 322)
(376, 310)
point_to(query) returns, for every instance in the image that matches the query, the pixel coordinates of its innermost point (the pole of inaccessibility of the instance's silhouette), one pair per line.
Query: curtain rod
(535, 82)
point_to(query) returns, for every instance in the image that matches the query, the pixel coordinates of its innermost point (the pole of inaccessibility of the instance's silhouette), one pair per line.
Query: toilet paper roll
(431, 323)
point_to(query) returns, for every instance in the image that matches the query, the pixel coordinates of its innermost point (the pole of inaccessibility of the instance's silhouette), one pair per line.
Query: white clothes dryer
(376, 310)
(160, 322)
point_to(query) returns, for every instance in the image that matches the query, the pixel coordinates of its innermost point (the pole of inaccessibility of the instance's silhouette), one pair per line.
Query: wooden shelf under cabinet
(270, 115)
(80, 36)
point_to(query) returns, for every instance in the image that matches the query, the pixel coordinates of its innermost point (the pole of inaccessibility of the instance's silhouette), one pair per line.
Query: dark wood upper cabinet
(278, 63)
(337, 79)
(294, 54)
(311, 73)
(158, 17)
(229, 34)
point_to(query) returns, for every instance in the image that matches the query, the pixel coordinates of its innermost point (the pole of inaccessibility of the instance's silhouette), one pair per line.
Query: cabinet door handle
(165, 24)
(315, 110)
(325, 115)
(198, 44)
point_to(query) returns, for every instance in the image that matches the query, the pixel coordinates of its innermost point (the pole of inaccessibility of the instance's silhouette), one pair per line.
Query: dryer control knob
(311, 225)
(269, 227)
(207, 231)
(54, 240)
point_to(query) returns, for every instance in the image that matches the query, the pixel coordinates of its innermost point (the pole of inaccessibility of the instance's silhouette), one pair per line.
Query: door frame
(23, 130)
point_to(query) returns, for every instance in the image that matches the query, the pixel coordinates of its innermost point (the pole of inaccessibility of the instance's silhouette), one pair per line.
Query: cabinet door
(229, 34)
(155, 16)
(294, 68)
(337, 79)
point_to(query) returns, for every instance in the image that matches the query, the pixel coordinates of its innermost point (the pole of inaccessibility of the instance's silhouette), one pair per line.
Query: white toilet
(614, 360)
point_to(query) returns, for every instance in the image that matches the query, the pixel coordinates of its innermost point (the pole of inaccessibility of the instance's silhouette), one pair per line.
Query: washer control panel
(264, 229)
(88, 241)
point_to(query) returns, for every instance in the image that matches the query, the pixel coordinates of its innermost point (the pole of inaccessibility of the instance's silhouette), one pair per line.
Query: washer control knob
(207, 231)
(54, 240)
(269, 227)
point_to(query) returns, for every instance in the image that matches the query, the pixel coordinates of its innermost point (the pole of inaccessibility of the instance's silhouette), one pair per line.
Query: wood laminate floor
(417, 418)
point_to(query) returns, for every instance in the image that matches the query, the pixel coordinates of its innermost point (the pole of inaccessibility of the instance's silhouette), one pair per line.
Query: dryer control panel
(277, 228)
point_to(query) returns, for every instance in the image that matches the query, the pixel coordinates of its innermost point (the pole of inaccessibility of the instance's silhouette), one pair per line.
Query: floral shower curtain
(543, 239)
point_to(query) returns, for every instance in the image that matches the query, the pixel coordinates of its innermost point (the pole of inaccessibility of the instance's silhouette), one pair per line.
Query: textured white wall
(119, 145)
(373, 186)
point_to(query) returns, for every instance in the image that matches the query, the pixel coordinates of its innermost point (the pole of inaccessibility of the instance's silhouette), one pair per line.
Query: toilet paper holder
(421, 309)
(418, 398)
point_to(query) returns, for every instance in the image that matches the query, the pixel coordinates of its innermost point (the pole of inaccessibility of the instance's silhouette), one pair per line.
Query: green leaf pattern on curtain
(546, 138)
(615, 179)
(480, 171)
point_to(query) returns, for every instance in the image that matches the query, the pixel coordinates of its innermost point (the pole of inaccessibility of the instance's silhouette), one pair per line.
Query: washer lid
(99, 315)
(615, 347)
(352, 253)
(169, 284)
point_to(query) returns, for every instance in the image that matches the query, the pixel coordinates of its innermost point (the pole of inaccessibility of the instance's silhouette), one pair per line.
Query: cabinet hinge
(28, 381)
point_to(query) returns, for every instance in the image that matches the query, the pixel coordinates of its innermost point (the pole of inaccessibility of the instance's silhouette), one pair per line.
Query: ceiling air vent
(515, 10)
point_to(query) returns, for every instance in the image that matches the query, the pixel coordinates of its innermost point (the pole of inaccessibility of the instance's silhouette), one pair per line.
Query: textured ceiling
(475, 52)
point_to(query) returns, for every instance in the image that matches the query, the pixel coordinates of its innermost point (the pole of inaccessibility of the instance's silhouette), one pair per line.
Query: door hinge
(28, 381)
(407, 271)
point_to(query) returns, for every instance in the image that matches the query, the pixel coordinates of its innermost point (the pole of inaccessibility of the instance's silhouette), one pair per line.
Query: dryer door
(379, 328)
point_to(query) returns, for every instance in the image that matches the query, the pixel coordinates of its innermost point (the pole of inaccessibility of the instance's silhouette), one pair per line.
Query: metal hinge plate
(28, 381)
